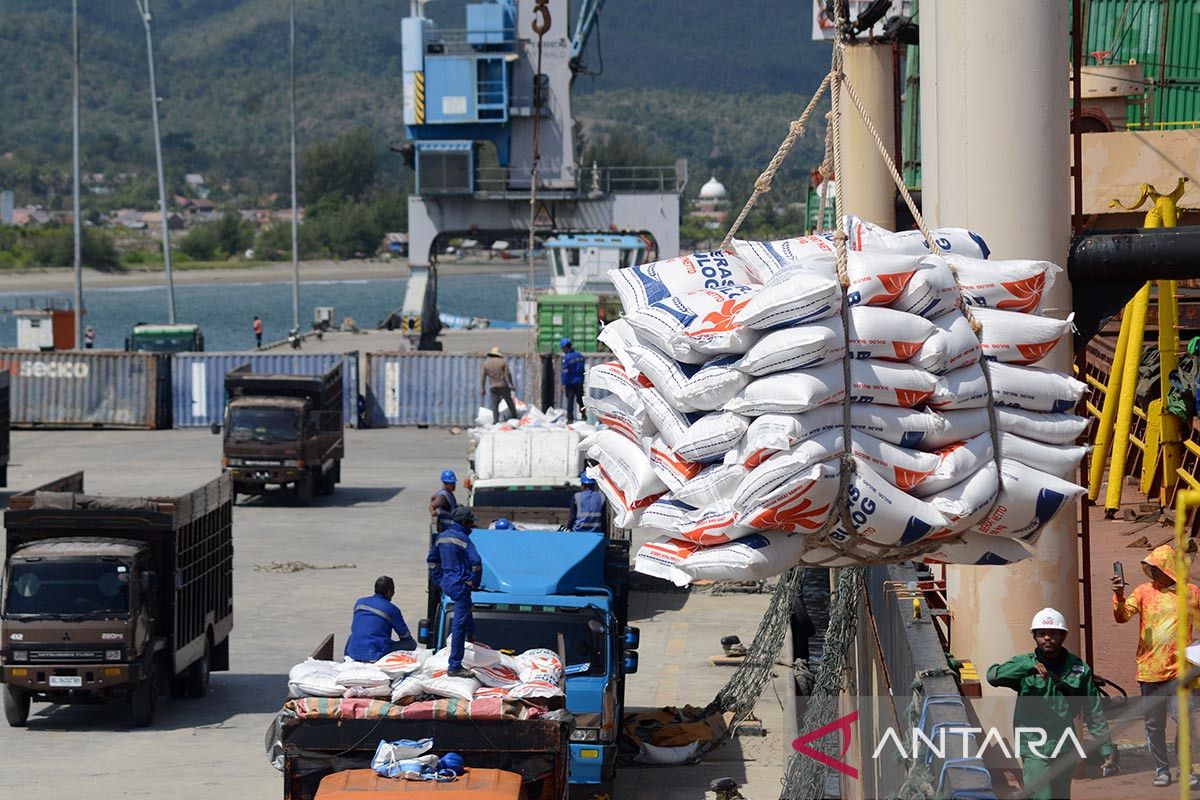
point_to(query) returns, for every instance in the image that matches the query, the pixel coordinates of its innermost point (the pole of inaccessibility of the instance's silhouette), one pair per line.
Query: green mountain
(712, 82)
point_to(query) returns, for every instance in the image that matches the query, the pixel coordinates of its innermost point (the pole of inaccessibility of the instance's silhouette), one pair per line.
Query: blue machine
(572, 599)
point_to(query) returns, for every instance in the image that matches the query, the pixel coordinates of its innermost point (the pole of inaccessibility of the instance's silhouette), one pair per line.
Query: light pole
(295, 215)
(75, 173)
(143, 7)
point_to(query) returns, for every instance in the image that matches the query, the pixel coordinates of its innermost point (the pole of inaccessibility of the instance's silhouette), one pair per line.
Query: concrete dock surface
(376, 523)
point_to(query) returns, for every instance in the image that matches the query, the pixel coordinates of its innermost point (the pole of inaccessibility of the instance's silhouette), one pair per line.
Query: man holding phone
(1155, 605)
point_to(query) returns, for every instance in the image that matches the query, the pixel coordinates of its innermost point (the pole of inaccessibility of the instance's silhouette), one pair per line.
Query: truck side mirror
(631, 662)
(215, 428)
(423, 632)
(633, 637)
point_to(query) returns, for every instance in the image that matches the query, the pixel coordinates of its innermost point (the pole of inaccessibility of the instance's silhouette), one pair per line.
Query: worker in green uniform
(1053, 686)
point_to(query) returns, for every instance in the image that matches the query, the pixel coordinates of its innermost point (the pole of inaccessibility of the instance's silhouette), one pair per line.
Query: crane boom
(589, 17)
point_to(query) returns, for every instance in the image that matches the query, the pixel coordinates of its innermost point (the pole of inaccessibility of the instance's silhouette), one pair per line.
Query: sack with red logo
(967, 502)
(903, 385)
(766, 259)
(769, 434)
(612, 398)
(755, 556)
(791, 392)
(952, 344)
(979, 550)
(644, 285)
(801, 504)
(956, 462)
(712, 436)
(1019, 338)
(670, 468)
(1009, 285)
(868, 236)
(798, 347)
(623, 473)
(885, 333)
(883, 514)
(902, 467)
(792, 297)
(766, 478)
(931, 292)
(1029, 500)
(692, 326)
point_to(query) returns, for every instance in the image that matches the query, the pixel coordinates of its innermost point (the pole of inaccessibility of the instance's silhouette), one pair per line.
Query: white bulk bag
(612, 398)
(902, 467)
(1009, 285)
(771, 433)
(693, 324)
(902, 385)
(931, 292)
(952, 344)
(1059, 460)
(1019, 338)
(801, 504)
(907, 427)
(624, 474)
(886, 333)
(799, 347)
(712, 436)
(791, 297)
(790, 392)
(671, 423)
(979, 550)
(711, 386)
(865, 235)
(759, 555)
(670, 468)
(967, 502)
(956, 463)
(1048, 427)
(883, 514)
(760, 482)
(1030, 388)
(715, 485)
(765, 259)
(640, 286)
(1029, 499)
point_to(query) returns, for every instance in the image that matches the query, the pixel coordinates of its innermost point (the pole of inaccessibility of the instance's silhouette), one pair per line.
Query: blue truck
(572, 598)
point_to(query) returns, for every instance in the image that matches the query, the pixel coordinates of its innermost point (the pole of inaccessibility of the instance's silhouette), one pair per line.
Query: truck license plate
(66, 681)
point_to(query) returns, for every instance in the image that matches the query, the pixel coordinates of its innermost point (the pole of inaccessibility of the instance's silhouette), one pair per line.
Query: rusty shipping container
(431, 388)
(88, 389)
(198, 380)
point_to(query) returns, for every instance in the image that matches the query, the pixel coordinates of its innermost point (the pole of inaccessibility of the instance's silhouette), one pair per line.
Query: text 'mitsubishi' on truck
(284, 430)
(111, 599)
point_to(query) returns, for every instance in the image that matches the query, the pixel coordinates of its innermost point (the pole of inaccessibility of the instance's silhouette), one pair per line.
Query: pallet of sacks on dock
(725, 406)
(410, 677)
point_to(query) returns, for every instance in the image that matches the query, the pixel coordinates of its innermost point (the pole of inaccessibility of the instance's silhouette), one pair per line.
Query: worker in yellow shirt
(1155, 605)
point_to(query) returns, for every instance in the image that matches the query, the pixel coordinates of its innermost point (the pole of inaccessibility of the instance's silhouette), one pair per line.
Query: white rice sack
(643, 285)
(617, 336)
(958, 425)
(869, 236)
(714, 384)
(751, 557)
(965, 387)
(790, 392)
(883, 514)
(664, 373)
(474, 655)
(792, 297)
(403, 662)
(376, 692)
(902, 467)
(1059, 460)
(665, 756)
(886, 333)
(501, 675)
(670, 468)
(1019, 338)
(612, 398)
(314, 678)
(760, 482)
(356, 674)
(798, 347)
(443, 685)
(710, 526)
(1048, 427)
(978, 550)
(931, 292)
(666, 514)
(907, 427)
(716, 485)
(772, 433)
(802, 504)
(535, 690)
(879, 279)
(1034, 389)
(624, 473)
(957, 462)
(712, 436)
(1010, 285)
(1029, 499)
(967, 502)
(952, 344)
(694, 324)
(410, 686)
(671, 423)
(902, 385)
(540, 663)
(765, 259)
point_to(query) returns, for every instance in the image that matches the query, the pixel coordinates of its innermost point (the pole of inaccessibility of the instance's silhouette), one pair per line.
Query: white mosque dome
(713, 190)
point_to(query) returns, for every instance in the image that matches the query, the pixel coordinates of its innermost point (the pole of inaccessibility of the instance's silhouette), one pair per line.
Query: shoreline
(62, 279)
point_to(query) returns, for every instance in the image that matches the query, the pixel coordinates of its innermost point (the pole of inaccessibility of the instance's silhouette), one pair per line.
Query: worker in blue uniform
(443, 502)
(588, 507)
(573, 367)
(454, 564)
(375, 618)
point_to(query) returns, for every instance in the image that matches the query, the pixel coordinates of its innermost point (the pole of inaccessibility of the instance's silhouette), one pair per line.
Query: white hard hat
(1048, 619)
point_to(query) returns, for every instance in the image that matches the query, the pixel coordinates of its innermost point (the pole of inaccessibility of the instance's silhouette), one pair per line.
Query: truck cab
(284, 430)
(572, 599)
(183, 338)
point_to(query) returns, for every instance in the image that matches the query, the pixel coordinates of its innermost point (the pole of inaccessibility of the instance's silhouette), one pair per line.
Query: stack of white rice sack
(724, 406)
(408, 676)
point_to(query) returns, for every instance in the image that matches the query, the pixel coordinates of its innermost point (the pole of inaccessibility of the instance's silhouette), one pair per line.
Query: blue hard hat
(503, 524)
(452, 762)
(586, 480)
(563, 342)
(448, 476)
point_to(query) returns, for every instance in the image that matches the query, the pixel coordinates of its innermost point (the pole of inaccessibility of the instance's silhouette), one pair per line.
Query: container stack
(727, 406)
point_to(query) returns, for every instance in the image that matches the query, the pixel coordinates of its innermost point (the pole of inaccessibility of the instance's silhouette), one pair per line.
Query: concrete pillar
(994, 115)
(869, 191)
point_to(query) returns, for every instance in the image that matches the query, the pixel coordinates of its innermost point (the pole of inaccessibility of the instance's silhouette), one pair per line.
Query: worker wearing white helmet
(1051, 674)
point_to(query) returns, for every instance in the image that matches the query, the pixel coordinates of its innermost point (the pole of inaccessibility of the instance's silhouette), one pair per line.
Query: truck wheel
(304, 490)
(145, 698)
(197, 674)
(328, 483)
(337, 471)
(16, 707)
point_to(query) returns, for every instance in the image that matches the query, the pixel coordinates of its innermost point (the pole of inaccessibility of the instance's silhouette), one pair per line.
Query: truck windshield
(68, 588)
(518, 631)
(264, 425)
(164, 343)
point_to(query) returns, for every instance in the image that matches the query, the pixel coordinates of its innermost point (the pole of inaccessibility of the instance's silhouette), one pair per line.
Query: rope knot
(763, 184)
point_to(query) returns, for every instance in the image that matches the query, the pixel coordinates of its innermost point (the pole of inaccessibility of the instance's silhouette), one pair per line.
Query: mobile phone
(1119, 571)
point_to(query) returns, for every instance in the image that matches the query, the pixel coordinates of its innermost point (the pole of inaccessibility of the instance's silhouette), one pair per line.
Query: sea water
(225, 312)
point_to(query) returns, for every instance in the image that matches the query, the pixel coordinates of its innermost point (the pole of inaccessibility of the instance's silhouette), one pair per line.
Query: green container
(576, 316)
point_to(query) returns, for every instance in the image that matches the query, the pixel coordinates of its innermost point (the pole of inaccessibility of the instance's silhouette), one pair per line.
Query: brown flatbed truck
(284, 430)
(329, 758)
(114, 598)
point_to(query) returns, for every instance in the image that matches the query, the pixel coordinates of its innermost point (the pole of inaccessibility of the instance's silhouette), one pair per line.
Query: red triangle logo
(907, 398)
(1035, 352)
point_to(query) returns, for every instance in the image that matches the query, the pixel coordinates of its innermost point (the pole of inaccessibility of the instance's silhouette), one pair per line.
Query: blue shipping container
(93, 388)
(198, 381)
(430, 388)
